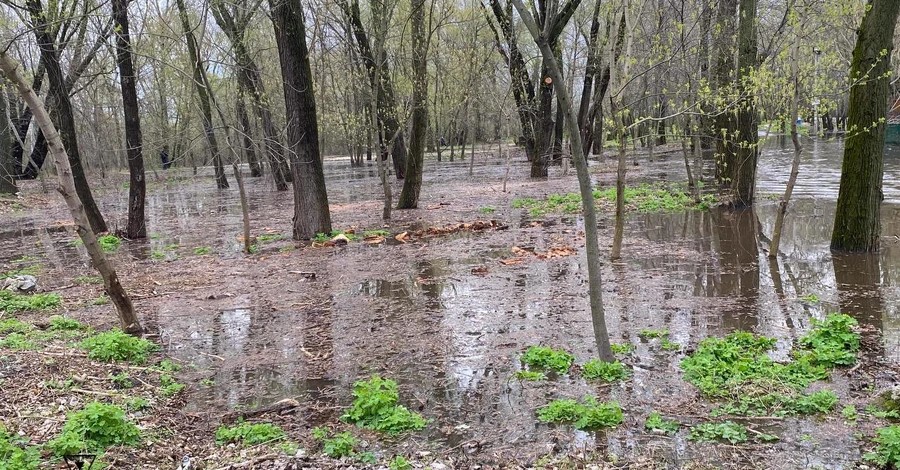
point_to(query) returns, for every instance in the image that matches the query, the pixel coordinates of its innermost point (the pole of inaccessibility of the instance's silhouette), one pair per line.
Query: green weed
(12, 325)
(169, 386)
(12, 303)
(137, 404)
(114, 345)
(340, 445)
(887, 450)
(811, 298)
(655, 422)
(121, 380)
(203, 250)
(109, 243)
(607, 371)
(831, 342)
(376, 233)
(324, 237)
(590, 414)
(60, 323)
(487, 210)
(622, 348)
(882, 414)
(543, 357)
(375, 407)
(17, 342)
(102, 300)
(667, 345)
(849, 413)
(94, 428)
(287, 248)
(399, 463)
(168, 366)
(713, 432)
(289, 448)
(651, 334)
(269, 237)
(15, 454)
(529, 376)
(249, 434)
(32, 270)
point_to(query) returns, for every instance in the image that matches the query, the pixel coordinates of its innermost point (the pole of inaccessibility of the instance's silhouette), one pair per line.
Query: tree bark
(7, 162)
(409, 196)
(857, 220)
(59, 97)
(202, 95)
(137, 189)
(127, 317)
(743, 179)
(724, 75)
(247, 136)
(311, 215)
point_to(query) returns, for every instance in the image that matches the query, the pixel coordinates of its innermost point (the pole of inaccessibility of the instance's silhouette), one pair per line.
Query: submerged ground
(448, 315)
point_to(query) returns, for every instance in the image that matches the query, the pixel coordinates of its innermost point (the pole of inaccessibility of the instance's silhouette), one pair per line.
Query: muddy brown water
(419, 314)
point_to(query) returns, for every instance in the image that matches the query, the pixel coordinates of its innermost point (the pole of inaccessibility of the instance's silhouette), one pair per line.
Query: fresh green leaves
(596, 369)
(95, 428)
(832, 342)
(249, 434)
(15, 454)
(12, 303)
(588, 414)
(887, 451)
(655, 422)
(114, 345)
(712, 432)
(375, 407)
(542, 357)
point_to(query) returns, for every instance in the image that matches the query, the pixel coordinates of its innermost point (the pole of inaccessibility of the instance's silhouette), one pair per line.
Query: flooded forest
(449, 234)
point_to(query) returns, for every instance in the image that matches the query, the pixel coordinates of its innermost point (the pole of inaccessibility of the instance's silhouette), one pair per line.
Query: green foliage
(340, 445)
(114, 345)
(849, 413)
(15, 454)
(137, 404)
(203, 250)
(94, 428)
(669, 345)
(712, 432)
(882, 414)
(622, 348)
(376, 233)
(832, 342)
(366, 457)
(655, 422)
(11, 325)
(319, 433)
(169, 386)
(822, 401)
(60, 323)
(399, 463)
(887, 450)
(487, 210)
(17, 342)
(249, 434)
(88, 280)
(607, 371)
(651, 334)
(590, 414)
(543, 357)
(811, 298)
(121, 380)
(530, 376)
(269, 237)
(168, 366)
(32, 270)
(289, 448)
(102, 300)
(109, 243)
(12, 303)
(375, 407)
(324, 237)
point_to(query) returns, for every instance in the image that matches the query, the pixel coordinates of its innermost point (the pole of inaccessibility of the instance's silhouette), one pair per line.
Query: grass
(541, 357)
(88, 280)
(325, 237)
(644, 198)
(94, 428)
(588, 414)
(18, 342)
(596, 369)
(203, 250)
(11, 325)
(12, 303)
(32, 270)
(59, 323)
(716, 432)
(738, 369)
(269, 237)
(655, 422)
(102, 300)
(249, 434)
(375, 407)
(114, 345)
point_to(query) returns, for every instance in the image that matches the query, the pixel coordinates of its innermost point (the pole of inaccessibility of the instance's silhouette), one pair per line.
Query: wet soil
(448, 315)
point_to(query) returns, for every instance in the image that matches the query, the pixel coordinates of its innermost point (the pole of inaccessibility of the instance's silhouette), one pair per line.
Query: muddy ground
(447, 316)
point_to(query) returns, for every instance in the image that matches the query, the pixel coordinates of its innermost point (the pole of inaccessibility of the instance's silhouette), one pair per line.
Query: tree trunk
(137, 189)
(7, 162)
(743, 179)
(311, 215)
(724, 75)
(595, 287)
(857, 220)
(409, 196)
(247, 136)
(59, 97)
(202, 95)
(127, 318)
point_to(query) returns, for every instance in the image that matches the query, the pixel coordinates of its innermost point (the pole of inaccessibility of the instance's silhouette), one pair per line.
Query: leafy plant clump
(530, 376)
(811, 298)
(887, 450)
(203, 250)
(17, 342)
(622, 348)
(596, 369)
(15, 454)
(832, 342)
(114, 345)
(59, 323)
(269, 237)
(655, 422)
(12, 303)
(590, 414)
(109, 243)
(652, 334)
(12, 325)
(713, 432)
(343, 444)
(249, 434)
(95, 428)
(375, 407)
(324, 237)
(542, 357)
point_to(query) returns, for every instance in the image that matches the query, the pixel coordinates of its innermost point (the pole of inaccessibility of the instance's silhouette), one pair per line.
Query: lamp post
(815, 103)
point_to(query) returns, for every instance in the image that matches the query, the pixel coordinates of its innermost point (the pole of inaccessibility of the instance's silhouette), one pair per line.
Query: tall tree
(58, 96)
(137, 189)
(199, 72)
(723, 77)
(7, 162)
(311, 214)
(128, 320)
(857, 220)
(746, 157)
(409, 196)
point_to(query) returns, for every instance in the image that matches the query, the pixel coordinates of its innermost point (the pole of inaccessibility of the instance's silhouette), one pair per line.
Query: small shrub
(121, 380)
(12, 303)
(375, 407)
(94, 428)
(588, 415)
(849, 413)
(655, 422)
(543, 357)
(169, 386)
(887, 450)
(59, 323)
(203, 250)
(712, 432)
(622, 348)
(340, 445)
(249, 434)
(109, 243)
(114, 345)
(529, 376)
(399, 463)
(596, 369)
(15, 454)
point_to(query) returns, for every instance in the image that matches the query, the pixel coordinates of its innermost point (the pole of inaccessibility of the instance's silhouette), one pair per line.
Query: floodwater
(447, 320)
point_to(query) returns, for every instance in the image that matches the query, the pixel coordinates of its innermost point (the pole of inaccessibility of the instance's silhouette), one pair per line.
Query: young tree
(311, 214)
(857, 220)
(137, 189)
(127, 318)
(409, 196)
(7, 163)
